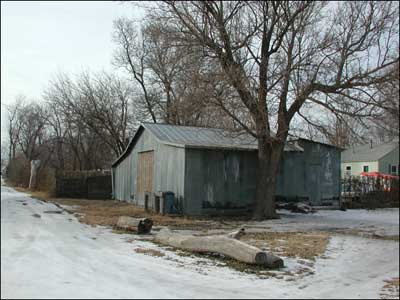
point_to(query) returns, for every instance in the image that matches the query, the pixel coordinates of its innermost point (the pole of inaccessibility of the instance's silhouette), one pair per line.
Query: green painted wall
(391, 158)
(226, 180)
(217, 180)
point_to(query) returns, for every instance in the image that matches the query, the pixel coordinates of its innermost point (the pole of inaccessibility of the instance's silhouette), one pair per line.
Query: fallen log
(297, 207)
(140, 226)
(220, 244)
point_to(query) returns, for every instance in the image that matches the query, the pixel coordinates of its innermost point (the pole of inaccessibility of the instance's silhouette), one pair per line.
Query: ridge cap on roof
(364, 152)
(175, 125)
(367, 145)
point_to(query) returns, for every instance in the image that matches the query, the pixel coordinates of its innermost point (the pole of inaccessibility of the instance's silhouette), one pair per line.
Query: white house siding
(358, 167)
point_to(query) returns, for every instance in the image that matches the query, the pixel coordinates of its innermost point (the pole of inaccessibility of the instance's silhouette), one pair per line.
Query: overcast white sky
(40, 38)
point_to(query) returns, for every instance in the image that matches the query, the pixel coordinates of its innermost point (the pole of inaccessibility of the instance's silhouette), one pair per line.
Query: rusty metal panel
(145, 171)
(126, 173)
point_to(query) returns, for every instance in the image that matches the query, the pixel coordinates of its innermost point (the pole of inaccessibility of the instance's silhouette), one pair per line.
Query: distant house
(212, 172)
(383, 158)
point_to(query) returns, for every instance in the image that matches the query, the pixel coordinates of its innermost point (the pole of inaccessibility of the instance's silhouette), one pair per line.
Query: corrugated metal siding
(207, 180)
(207, 138)
(227, 179)
(168, 170)
(323, 173)
(313, 174)
(125, 171)
(290, 181)
(219, 180)
(200, 136)
(170, 173)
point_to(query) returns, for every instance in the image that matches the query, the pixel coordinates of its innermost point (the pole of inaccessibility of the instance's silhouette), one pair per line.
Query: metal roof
(366, 153)
(200, 137)
(209, 138)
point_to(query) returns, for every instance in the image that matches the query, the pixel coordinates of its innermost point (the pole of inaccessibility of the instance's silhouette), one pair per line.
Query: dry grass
(306, 246)
(395, 282)
(290, 244)
(107, 212)
(151, 252)
(391, 290)
(100, 212)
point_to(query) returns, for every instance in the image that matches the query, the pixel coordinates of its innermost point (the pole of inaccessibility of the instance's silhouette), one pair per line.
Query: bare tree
(387, 123)
(14, 125)
(101, 103)
(130, 55)
(32, 118)
(278, 56)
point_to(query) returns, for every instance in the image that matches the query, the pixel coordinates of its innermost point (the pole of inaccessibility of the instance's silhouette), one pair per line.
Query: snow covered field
(52, 255)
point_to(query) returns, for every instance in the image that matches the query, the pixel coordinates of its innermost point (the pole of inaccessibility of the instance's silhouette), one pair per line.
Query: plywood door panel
(145, 172)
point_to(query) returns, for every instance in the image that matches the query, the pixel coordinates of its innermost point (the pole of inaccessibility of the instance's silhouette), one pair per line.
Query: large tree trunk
(221, 244)
(269, 156)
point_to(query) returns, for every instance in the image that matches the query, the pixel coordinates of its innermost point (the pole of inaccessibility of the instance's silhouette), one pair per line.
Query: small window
(348, 171)
(394, 170)
(365, 169)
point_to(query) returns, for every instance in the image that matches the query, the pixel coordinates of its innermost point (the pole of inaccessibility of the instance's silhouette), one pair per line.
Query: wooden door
(145, 172)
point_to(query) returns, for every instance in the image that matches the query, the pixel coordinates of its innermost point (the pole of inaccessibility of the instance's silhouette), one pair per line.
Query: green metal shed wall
(218, 180)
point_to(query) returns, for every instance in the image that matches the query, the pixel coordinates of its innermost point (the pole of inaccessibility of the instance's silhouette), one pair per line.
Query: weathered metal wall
(327, 179)
(290, 181)
(225, 181)
(125, 171)
(219, 181)
(168, 172)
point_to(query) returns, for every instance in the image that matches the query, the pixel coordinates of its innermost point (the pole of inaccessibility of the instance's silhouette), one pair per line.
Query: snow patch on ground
(383, 222)
(55, 256)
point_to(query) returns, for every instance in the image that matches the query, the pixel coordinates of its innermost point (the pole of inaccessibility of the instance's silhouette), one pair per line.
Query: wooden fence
(84, 184)
(370, 192)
